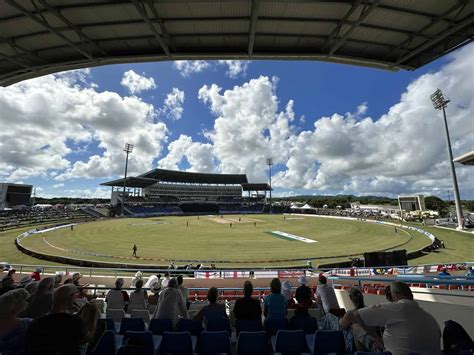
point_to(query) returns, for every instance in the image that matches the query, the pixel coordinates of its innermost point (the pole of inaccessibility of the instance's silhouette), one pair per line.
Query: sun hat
(286, 285)
(76, 276)
(138, 274)
(302, 280)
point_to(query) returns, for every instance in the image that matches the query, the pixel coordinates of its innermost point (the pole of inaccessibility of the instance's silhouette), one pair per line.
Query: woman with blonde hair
(13, 328)
(89, 315)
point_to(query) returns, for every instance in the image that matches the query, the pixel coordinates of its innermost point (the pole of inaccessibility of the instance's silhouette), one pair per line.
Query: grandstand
(168, 192)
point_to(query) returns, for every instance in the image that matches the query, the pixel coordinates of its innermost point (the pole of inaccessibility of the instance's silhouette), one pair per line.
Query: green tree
(436, 204)
(469, 205)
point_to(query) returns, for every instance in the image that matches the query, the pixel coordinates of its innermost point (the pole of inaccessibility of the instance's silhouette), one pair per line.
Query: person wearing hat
(303, 296)
(286, 291)
(138, 276)
(36, 275)
(117, 298)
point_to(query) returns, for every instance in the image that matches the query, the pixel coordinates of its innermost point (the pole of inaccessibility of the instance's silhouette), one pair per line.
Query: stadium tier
(168, 192)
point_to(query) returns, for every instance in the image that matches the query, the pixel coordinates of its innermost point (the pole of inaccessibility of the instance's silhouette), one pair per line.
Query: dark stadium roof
(256, 187)
(46, 36)
(194, 178)
(131, 182)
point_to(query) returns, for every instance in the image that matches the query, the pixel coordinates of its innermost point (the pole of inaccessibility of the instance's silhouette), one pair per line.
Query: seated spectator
(152, 280)
(275, 304)
(164, 282)
(286, 291)
(325, 295)
(138, 276)
(57, 280)
(184, 290)
(13, 328)
(303, 297)
(153, 299)
(408, 328)
(247, 308)
(7, 284)
(58, 332)
(25, 281)
(89, 315)
(469, 271)
(213, 311)
(171, 303)
(41, 301)
(138, 297)
(36, 275)
(117, 298)
(366, 338)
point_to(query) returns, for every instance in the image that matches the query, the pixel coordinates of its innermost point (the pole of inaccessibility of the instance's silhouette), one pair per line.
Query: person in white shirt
(408, 327)
(164, 282)
(184, 290)
(171, 303)
(325, 295)
(117, 298)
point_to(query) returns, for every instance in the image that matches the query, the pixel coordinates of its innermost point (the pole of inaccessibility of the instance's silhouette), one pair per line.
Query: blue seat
(141, 342)
(272, 326)
(306, 323)
(159, 326)
(252, 343)
(109, 324)
(328, 341)
(105, 345)
(190, 325)
(372, 353)
(219, 325)
(244, 325)
(176, 343)
(214, 343)
(289, 342)
(132, 324)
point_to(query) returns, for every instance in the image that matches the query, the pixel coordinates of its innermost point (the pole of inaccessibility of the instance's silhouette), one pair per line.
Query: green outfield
(252, 241)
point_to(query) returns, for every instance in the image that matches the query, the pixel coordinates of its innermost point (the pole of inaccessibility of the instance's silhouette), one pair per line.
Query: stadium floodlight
(128, 149)
(270, 163)
(440, 103)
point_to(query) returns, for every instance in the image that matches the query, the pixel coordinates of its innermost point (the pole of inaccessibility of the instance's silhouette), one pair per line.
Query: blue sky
(348, 129)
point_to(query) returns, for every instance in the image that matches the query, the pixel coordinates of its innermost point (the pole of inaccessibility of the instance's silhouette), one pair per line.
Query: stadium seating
(252, 343)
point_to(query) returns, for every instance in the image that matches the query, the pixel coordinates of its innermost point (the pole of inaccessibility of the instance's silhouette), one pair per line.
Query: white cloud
(173, 105)
(136, 83)
(51, 114)
(57, 186)
(188, 67)
(235, 68)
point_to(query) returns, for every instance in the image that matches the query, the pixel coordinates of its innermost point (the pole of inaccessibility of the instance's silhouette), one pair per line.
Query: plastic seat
(142, 341)
(252, 343)
(289, 342)
(327, 341)
(132, 324)
(109, 324)
(305, 323)
(116, 314)
(214, 343)
(176, 343)
(189, 325)
(244, 325)
(141, 313)
(159, 326)
(272, 326)
(105, 345)
(219, 325)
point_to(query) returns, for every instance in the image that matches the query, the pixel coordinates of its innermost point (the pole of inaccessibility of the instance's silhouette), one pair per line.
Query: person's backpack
(455, 338)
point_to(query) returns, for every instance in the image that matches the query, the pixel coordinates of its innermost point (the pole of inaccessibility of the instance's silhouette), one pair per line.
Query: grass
(206, 239)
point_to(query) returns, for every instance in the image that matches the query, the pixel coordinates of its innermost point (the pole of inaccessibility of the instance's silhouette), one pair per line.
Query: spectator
(469, 272)
(388, 294)
(138, 276)
(25, 281)
(213, 311)
(184, 290)
(275, 304)
(408, 328)
(7, 284)
(303, 297)
(152, 280)
(117, 298)
(164, 282)
(170, 303)
(89, 315)
(366, 338)
(286, 290)
(57, 280)
(138, 297)
(153, 299)
(13, 328)
(325, 295)
(58, 332)
(444, 272)
(32, 287)
(247, 308)
(41, 301)
(36, 275)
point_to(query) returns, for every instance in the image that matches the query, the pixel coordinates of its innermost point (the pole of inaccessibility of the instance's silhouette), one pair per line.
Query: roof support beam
(42, 23)
(81, 34)
(365, 12)
(158, 19)
(142, 11)
(253, 26)
(343, 21)
(14, 61)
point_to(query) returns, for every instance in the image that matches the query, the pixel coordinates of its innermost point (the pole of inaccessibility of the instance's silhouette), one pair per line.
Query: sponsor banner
(235, 274)
(290, 274)
(293, 237)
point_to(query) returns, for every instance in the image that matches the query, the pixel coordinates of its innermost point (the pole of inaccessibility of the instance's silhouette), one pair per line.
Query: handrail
(434, 280)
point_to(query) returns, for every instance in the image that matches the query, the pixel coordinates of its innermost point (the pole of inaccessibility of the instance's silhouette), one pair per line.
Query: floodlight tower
(128, 149)
(270, 163)
(440, 103)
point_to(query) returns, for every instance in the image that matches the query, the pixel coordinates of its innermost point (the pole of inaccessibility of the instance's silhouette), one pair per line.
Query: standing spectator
(153, 299)
(247, 308)
(408, 328)
(275, 304)
(213, 311)
(303, 297)
(164, 282)
(325, 295)
(41, 301)
(117, 298)
(36, 275)
(13, 328)
(138, 297)
(184, 290)
(170, 303)
(59, 332)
